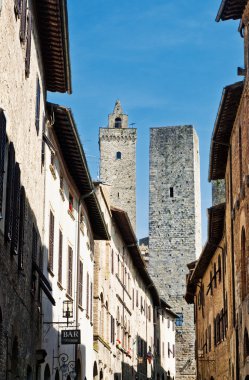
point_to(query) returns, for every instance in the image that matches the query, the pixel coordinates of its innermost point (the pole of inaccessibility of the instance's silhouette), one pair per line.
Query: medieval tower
(117, 144)
(175, 228)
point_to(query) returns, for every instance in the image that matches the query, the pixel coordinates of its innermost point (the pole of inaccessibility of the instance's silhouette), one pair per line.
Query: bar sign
(70, 336)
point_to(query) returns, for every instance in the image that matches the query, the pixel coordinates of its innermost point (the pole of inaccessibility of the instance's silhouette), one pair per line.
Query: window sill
(51, 167)
(70, 213)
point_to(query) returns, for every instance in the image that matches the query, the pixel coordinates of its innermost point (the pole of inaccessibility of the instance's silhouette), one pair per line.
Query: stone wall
(120, 173)
(218, 192)
(174, 227)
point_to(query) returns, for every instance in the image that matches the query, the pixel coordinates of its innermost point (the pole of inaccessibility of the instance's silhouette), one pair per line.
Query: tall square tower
(117, 144)
(175, 228)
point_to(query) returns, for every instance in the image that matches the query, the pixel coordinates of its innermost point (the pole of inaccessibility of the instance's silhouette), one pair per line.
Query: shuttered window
(21, 228)
(37, 105)
(80, 285)
(2, 156)
(60, 257)
(51, 242)
(23, 16)
(28, 46)
(87, 294)
(16, 212)
(91, 302)
(34, 244)
(10, 193)
(70, 272)
(17, 7)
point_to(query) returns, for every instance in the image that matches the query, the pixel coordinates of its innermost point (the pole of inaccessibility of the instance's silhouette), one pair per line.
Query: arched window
(243, 264)
(95, 370)
(57, 376)
(246, 344)
(118, 155)
(118, 122)
(47, 375)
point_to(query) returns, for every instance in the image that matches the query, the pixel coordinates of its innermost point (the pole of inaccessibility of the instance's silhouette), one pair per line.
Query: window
(22, 10)
(2, 157)
(243, 264)
(118, 155)
(171, 192)
(34, 243)
(80, 285)
(215, 279)
(60, 257)
(70, 272)
(10, 193)
(179, 319)
(28, 46)
(169, 350)
(70, 203)
(168, 323)
(91, 303)
(112, 262)
(61, 181)
(163, 349)
(118, 122)
(219, 268)
(136, 298)
(87, 294)
(37, 106)
(21, 228)
(16, 212)
(149, 312)
(51, 242)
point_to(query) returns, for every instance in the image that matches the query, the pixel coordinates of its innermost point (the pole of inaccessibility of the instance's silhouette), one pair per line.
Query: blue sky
(166, 60)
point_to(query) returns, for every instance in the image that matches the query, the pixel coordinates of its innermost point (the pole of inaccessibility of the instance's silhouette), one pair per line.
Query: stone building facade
(128, 318)
(175, 228)
(117, 144)
(27, 71)
(229, 162)
(72, 221)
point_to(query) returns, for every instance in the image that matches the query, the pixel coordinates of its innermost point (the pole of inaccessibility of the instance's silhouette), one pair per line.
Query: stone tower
(117, 144)
(175, 228)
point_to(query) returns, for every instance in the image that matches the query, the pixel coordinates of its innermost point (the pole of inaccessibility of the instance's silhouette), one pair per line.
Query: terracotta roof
(52, 23)
(222, 130)
(125, 228)
(231, 10)
(216, 216)
(68, 139)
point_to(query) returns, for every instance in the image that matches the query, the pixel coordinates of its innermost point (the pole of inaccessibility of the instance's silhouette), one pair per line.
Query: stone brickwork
(218, 192)
(174, 227)
(118, 161)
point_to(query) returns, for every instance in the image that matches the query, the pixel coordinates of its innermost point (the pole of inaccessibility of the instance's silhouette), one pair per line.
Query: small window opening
(70, 205)
(118, 122)
(118, 155)
(171, 192)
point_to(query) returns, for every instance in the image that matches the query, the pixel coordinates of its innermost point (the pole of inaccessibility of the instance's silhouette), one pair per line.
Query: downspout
(233, 264)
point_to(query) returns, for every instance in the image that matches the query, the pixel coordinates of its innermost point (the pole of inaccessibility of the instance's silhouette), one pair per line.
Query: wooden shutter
(87, 294)
(70, 271)
(60, 257)
(51, 242)
(28, 46)
(21, 228)
(34, 244)
(37, 105)
(10, 193)
(23, 15)
(2, 156)
(80, 285)
(16, 212)
(17, 7)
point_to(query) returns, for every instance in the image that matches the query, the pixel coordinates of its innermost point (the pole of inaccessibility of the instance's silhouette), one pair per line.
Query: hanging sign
(70, 336)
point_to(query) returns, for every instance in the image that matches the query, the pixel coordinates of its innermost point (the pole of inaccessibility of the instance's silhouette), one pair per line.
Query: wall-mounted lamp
(67, 310)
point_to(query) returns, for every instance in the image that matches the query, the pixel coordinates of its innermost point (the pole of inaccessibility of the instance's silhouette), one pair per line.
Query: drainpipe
(233, 265)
